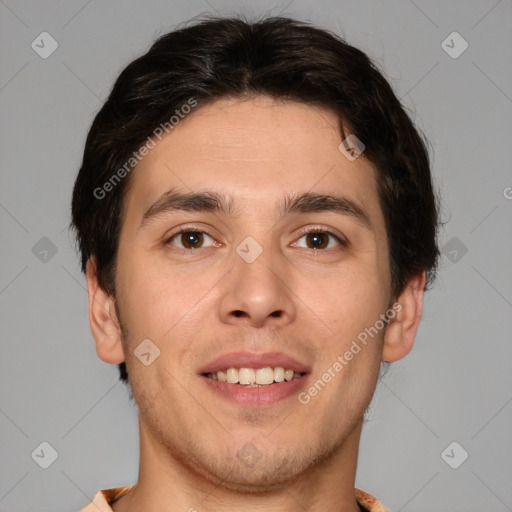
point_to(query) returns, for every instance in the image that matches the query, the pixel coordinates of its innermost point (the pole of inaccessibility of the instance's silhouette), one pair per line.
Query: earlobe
(401, 331)
(103, 319)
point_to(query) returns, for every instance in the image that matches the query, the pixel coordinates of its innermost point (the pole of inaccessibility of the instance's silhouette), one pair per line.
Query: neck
(166, 483)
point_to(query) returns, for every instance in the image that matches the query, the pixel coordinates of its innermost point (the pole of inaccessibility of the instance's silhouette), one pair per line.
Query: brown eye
(317, 240)
(320, 239)
(188, 239)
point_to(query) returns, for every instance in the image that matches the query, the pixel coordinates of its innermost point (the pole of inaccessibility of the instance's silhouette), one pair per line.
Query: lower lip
(259, 395)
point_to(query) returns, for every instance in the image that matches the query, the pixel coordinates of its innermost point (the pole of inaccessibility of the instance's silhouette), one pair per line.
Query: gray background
(455, 385)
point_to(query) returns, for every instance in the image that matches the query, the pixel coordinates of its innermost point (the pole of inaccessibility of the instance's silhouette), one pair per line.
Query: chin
(266, 475)
(249, 471)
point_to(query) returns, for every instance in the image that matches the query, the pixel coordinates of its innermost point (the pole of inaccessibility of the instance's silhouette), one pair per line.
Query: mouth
(255, 380)
(255, 377)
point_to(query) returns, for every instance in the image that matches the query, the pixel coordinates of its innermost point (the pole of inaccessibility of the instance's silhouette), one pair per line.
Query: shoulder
(104, 498)
(369, 502)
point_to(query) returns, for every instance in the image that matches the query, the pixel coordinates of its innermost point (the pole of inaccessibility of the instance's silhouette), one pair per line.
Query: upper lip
(254, 360)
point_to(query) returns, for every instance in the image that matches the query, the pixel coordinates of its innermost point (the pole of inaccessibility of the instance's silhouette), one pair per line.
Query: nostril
(238, 313)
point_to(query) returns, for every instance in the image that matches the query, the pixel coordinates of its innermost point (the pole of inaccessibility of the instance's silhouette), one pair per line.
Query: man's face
(202, 296)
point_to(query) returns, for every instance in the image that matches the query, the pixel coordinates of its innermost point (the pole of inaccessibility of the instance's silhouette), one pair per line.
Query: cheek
(159, 300)
(348, 301)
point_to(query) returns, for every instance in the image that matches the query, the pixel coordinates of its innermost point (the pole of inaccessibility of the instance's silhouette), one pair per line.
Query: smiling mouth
(254, 377)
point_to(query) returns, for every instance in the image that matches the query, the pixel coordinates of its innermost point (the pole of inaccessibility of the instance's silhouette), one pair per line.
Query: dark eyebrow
(209, 201)
(310, 202)
(192, 202)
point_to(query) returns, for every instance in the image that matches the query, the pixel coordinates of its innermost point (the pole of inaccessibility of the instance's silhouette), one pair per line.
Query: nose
(259, 293)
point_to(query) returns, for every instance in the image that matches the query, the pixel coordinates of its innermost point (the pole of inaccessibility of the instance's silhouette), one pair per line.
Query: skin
(257, 150)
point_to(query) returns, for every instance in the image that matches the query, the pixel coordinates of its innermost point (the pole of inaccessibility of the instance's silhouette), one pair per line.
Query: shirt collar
(104, 498)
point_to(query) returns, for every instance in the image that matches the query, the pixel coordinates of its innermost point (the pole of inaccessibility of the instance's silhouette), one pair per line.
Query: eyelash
(314, 229)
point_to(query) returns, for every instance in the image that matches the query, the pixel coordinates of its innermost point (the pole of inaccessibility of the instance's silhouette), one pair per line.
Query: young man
(257, 224)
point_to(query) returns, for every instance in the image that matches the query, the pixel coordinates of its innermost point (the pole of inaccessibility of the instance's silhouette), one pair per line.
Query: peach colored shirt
(103, 499)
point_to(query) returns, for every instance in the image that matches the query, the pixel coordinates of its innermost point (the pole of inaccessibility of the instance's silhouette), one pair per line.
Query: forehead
(254, 151)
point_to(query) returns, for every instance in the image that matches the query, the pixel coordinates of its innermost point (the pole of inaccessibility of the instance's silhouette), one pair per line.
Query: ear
(103, 319)
(401, 330)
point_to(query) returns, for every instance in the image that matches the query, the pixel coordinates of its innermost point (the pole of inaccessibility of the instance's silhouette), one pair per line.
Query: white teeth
(246, 376)
(232, 375)
(279, 374)
(255, 377)
(265, 375)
